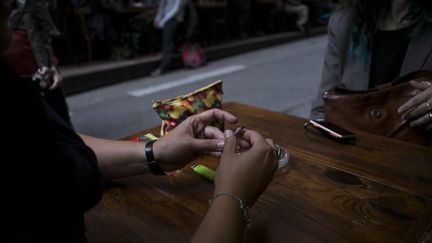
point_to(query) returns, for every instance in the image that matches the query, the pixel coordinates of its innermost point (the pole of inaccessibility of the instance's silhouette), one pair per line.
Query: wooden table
(378, 190)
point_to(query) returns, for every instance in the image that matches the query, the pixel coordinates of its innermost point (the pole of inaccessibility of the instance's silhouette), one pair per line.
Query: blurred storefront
(93, 30)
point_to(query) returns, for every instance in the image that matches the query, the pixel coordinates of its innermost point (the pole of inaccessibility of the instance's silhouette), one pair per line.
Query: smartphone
(334, 131)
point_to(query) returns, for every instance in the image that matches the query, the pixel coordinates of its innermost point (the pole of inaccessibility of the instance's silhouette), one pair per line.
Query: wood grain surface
(378, 190)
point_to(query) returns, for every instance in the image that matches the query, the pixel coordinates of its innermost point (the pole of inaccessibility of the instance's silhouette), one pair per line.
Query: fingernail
(228, 133)
(220, 144)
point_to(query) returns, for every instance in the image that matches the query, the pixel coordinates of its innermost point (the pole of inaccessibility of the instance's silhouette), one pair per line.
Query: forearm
(41, 49)
(223, 223)
(118, 158)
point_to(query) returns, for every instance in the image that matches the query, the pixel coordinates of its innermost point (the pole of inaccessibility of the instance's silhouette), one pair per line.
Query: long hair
(368, 13)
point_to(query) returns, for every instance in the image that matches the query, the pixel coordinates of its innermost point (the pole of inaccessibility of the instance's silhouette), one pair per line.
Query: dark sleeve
(50, 178)
(33, 129)
(331, 73)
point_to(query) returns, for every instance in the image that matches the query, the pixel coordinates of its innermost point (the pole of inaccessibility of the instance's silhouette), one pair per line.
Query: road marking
(187, 80)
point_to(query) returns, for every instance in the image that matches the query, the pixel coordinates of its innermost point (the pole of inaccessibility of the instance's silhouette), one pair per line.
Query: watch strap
(151, 161)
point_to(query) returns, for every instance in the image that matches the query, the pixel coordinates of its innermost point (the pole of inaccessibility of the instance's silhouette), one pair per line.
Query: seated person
(53, 175)
(170, 15)
(363, 54)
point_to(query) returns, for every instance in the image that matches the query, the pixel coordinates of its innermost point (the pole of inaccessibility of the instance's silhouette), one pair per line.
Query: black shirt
(49, 176)
(388, 53)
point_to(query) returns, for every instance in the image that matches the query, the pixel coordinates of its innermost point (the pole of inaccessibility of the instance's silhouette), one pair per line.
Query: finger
(418, 110)
(273, 145)
(57, 80)
(252, 137)
(216, 114)
(209, 145)
(270, 141)
(54, 84)
(213, 133)
(415, 101)
(423, 120)
(421, 85)
(213, 154)
(275, 153)
(230, 142)
(244, 144)
(43, 70)
(46, 73)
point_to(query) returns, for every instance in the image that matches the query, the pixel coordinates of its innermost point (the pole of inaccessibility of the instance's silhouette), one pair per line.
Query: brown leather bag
(375, 110)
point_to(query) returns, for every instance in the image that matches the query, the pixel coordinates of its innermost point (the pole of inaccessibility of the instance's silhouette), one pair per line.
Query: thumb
(207, 145)
(230, 142)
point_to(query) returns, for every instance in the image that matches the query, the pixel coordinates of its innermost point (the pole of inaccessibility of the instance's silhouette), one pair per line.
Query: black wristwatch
(151, 161)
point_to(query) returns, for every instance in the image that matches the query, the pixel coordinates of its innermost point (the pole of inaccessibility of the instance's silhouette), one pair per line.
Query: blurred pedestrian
(300, 10)
(171, 14)
(31, 53)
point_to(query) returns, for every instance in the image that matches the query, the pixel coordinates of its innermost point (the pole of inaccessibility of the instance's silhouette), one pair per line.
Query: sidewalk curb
(90, 76)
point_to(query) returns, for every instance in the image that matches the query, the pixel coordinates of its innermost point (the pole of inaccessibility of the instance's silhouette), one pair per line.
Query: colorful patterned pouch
(173, 111)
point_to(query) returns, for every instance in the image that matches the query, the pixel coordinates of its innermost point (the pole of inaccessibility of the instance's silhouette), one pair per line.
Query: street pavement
(282, 78)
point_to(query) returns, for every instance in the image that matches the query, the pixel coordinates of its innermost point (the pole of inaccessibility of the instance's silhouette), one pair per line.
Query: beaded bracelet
(244, 208)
